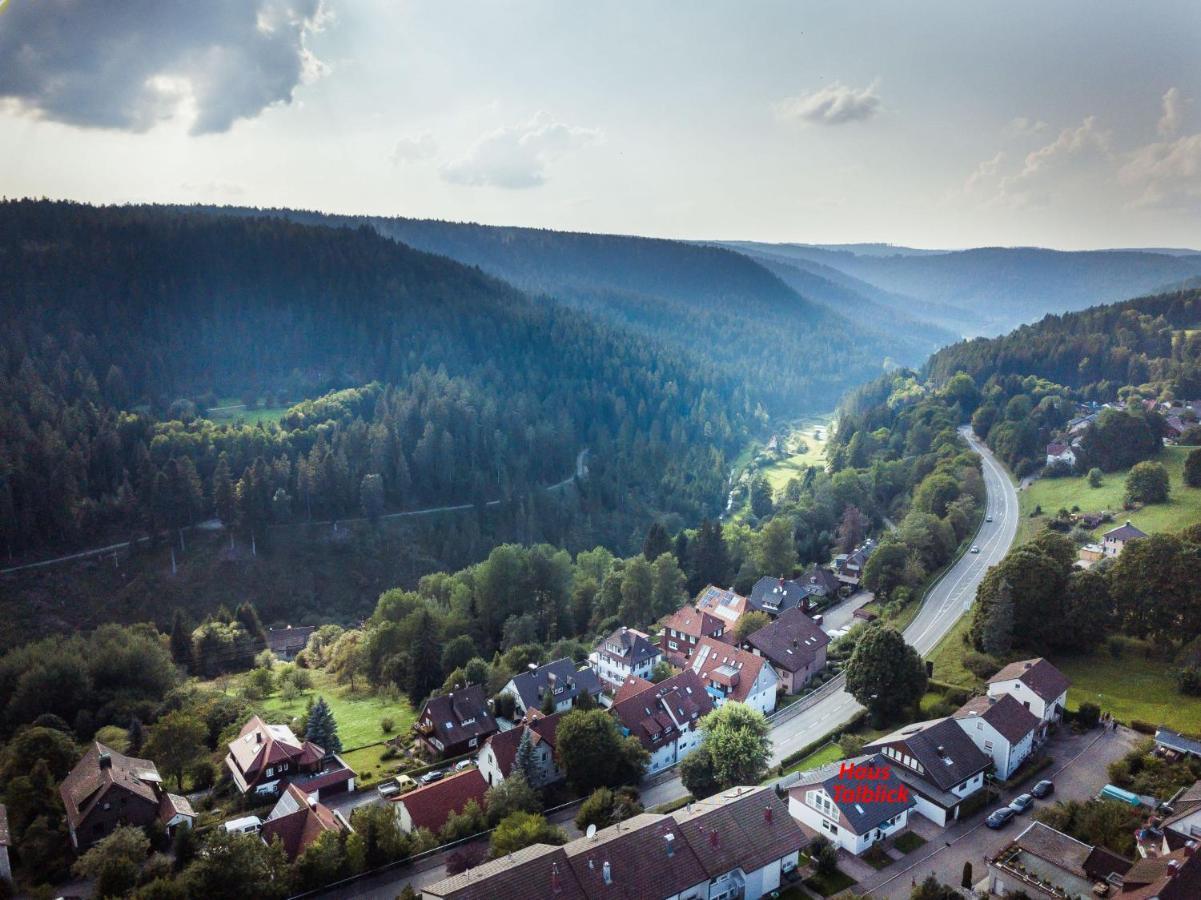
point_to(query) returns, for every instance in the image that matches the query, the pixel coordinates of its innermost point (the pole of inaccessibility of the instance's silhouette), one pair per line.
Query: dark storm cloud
(129, 64)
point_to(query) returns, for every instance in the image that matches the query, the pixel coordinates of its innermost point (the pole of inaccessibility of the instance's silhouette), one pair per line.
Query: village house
(939, 763)
(828, 801)
(664, 717)
(729, 673)
(1174, 744)
(264, 759)
(1114, 541)
(776, 595)
(794, 645)
(455, 723)
(297, 820)
(737, 844)
(499, 754)
(560, 678)
(848, 567)
(1037, 685)
(286, 642)
(1002, 728)
(430, 806)
(107, 789)
(681, 631)
(1182, 825)
(1059, 452)
(725, 604)
(1044, 863)
(624, 653)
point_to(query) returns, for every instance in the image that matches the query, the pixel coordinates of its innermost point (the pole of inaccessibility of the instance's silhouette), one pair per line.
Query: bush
(982, 665)
(1143, 727)
(1188, 680)
(1088, 715)
(390, 752)
(387, 724)
(940, 709)
(1115, 645)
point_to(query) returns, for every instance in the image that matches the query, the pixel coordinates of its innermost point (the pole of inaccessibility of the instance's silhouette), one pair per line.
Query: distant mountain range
(988, 290)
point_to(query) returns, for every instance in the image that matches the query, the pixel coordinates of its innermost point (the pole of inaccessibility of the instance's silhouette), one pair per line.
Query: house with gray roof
(854, 802)
(1114, 541)
(560, 678)
(624, 653)
(1036, 684)
(1002, 728)
(939, 763)
(794, 645)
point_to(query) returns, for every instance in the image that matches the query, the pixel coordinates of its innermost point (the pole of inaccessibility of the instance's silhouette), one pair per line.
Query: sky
(930, 124)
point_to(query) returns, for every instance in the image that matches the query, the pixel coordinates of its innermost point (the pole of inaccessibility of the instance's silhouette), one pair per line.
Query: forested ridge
(721, 307)
(454, 386)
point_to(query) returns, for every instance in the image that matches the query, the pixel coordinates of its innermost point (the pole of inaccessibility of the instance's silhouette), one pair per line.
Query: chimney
(941, 750)
(714, 839)
(556, 886)
(104, 761)
(607, 872)
(669, 840)
(767, 811)
(258, 737)
(1190, 848)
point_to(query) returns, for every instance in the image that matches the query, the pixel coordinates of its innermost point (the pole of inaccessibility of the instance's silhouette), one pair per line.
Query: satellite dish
(591, 832)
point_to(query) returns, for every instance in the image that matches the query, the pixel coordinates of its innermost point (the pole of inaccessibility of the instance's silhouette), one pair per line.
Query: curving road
(953, 594)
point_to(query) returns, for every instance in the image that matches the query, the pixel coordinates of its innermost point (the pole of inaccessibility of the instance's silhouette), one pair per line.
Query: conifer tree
(525, 757)
(321, 728)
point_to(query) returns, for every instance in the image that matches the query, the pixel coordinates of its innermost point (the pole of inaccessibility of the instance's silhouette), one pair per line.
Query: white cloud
(1022, 126)
(1047, 170)
(415, 148)
(517, 156)
(834, 104)
(1169, 121)
(986, 171)
(1166, 174)
(131, 65)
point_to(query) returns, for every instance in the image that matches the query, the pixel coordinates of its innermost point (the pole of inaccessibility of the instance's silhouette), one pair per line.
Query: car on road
(431, 777)
(999, 818)
(988, 518)
(1043, 789)
(464, 764)
(1022, 803)
(975, 549)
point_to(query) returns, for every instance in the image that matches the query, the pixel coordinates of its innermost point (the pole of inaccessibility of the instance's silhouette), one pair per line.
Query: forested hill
(1097, 351)
(1001, 287)
(121, 324)
(796, 356)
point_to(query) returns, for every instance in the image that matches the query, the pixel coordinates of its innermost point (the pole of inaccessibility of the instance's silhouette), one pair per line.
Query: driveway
(843, 614)
(1079, 772)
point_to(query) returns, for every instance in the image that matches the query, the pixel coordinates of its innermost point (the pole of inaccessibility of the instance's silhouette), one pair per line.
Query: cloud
(516, 157)
(1166, 174)
(1169, 121)
(415, 148)
(1023, 126)
(1046, 170)
(984, 172)
(131, 65)
(834, 104)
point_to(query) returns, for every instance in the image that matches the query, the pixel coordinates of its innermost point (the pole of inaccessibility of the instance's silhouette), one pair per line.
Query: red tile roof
(296, 821)
(259, 745)
(658, 714)
(88, 782)
(726, 665)
(430, 806)
(631, 686)
(691, 621)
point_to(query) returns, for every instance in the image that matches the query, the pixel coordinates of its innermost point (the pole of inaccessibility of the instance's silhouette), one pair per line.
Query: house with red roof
(665, 717)
(265, 759)
(107, 789)
(499, 754)
(297, 820)
(430, 806)
(683, 628)
(725, 604)
(730, 673)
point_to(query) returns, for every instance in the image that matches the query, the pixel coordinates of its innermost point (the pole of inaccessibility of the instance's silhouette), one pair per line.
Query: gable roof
(658, 714)
(1037, 674)
(460, 715)
(943, 749)
(1055, 847)
(297, 821)
(289, 639)
(532, 873)
(791, 642)
(569, 682)
(259, 745)
(630, 645)
(1006, 714)
(430, 806)
(860, 817)
(734, 669)
(88, 782)
(504, 744)
(631, 686)
(724, 604)
(1126, 532)
(753, 828)
(1172, 876)
(1174, 740)
(693, 622)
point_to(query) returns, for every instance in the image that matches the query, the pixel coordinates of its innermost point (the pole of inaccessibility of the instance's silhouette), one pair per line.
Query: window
(988, 745)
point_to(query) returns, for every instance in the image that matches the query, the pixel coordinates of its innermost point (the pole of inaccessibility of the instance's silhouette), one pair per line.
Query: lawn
(947, 656)
(1052, 494)
(811, 451)
(828, 885)
(358, 714)
(369, 766)
(909, 841)
(231, 409)
(823, 755)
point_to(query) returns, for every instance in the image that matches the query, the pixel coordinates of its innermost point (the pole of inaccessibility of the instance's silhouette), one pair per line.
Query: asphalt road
(944, 604)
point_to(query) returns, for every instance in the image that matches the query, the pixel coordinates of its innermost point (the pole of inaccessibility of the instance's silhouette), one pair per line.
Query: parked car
(431, 777)
(999, 818)
(988, 518)
(1043, 789)
(388, 788)
(975, 549)
(464, 764)
(1022, 803)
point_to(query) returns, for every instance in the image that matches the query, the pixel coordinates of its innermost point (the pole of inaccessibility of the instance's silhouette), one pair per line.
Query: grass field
(815, 760)
(358, 714)
(810, 451)
(1053, 494)
(231, 409)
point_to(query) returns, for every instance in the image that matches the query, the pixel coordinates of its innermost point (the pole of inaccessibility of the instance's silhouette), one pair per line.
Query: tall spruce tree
(181, 639)
(525, 762)
(657, 542)
(321, 728)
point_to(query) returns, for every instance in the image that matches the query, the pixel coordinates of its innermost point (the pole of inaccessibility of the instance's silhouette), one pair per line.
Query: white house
(730, 673)
(832, 802)
(1002, 728)
(1114, 541)
(664, 717)
(1036, 684)
(624, 653)
(938, 762)
(498, 756)
(1058, 452)
(560, 678)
